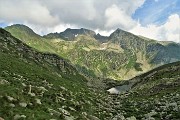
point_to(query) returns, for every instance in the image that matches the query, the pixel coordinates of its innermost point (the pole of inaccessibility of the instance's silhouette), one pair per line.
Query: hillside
(162, 79)
(120, 56)
(154, 95)
(28, 36)
(37, 85)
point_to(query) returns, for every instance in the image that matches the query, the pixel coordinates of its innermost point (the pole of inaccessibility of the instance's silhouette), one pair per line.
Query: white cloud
(26, 11)
(82, 13)
(42, 30)
(169, 31)
(118, 17)
(103, 16)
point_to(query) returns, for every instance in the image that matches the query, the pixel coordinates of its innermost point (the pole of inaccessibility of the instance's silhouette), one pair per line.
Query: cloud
(102, 16)
(169, 31)
(90, 14)
(118, 17)
(26, 11)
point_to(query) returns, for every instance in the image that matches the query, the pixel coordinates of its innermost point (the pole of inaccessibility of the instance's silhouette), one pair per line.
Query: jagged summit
(101, 38)
(119, 32)
(72, 33)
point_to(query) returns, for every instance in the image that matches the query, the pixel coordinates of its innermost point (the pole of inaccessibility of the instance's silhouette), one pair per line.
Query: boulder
(65, 112)
(38, 101)
(119, 117)
(11, 105)
(131, 118)
(23, 104)
(17, 117)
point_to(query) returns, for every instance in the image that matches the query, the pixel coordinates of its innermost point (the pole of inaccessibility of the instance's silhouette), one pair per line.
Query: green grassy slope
(29, 37)
(36, 85)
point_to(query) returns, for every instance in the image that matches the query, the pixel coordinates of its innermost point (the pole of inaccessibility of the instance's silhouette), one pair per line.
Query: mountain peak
(70, 34)
(119, 32)
(20, 28)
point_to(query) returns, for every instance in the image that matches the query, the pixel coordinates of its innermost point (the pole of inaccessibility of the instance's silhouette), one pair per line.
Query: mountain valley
(54, 78)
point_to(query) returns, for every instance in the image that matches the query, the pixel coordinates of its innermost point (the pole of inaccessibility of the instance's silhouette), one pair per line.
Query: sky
(155, 19)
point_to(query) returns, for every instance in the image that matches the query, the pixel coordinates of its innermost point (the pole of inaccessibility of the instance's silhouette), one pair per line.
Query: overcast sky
(156, 19)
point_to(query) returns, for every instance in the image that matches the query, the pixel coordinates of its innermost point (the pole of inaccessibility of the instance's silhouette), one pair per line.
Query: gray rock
(93, 117)
(38, 101)
(119, 117)
(65, 112)
(32, 94)
(152, 113)
(24, 85)
(4, 82)
(17, 117)
(10, 98)
(131, 118)
(54, 112)
(69, 118)
(11, 105)
(72, 109)
(23, 104)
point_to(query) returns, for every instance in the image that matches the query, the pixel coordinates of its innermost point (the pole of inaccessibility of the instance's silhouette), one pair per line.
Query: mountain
(120, 56)
(28, 36)
(40, 85)
(70, 34)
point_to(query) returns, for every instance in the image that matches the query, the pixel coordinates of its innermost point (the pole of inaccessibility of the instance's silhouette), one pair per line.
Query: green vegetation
(120, 56)
(39, 85)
